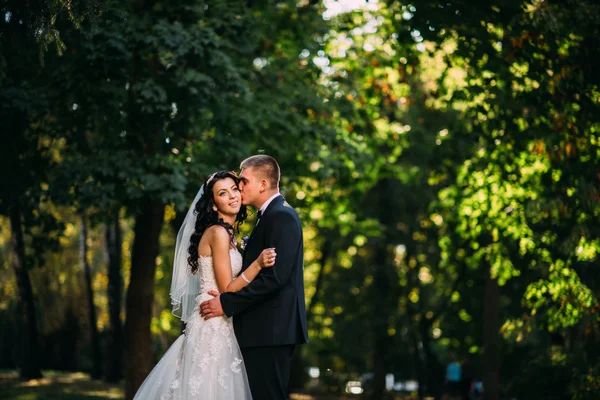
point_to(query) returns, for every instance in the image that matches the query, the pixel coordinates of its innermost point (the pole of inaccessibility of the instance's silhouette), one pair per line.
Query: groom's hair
(267, 166)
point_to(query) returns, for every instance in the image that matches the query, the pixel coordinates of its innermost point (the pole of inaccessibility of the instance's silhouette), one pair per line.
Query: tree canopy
(444, 158)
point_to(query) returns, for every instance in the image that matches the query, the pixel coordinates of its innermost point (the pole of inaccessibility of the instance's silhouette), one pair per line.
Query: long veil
(185, 286)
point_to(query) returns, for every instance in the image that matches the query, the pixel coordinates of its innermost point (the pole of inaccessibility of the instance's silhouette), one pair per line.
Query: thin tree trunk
(432, 367)
(418, 362)
(115, 353)
(140, 294)
(379, 367)
(177, 222)
(327, 250)
(92, 318)
(30, 348)
(382, 311)
(491, 340)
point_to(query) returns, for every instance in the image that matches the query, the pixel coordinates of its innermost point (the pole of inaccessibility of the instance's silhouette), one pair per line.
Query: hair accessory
(211, 178)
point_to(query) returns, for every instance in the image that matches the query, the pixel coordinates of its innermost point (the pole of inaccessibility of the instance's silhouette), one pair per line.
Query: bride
(205, 362)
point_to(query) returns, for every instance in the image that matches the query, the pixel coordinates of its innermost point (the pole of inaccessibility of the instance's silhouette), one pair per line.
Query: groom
(270, 315)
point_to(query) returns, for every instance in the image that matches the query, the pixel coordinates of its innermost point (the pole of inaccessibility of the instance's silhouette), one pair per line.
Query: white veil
(185, 285)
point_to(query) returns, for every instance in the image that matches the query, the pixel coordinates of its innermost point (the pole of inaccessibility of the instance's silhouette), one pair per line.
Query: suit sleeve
(285, 235)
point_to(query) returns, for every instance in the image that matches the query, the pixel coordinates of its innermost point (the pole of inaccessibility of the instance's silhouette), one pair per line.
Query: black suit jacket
(270, 311)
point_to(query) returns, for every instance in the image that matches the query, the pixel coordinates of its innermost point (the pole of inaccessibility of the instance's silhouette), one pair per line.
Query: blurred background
(444, 157)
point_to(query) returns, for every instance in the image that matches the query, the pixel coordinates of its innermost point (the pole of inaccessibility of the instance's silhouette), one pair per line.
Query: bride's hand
(267, 258)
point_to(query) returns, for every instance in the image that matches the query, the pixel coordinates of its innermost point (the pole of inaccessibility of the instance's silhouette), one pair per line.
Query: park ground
(78, 386)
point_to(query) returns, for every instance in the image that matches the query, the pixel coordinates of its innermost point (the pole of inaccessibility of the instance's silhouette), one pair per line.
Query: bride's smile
(227, 197)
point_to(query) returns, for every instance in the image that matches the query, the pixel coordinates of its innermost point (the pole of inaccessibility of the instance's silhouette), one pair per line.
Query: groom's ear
(264, 185)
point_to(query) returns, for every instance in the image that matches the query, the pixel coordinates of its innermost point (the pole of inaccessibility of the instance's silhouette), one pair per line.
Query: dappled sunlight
(72, 377)
(55, 384)
(336, 7)
(444, 162)
(105, 394)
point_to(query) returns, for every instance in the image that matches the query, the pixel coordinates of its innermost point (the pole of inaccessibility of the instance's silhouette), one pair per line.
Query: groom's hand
(212, 308)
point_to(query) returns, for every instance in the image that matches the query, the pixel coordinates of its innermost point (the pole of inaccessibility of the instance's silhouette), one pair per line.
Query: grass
(78, 386)
(68, 386)
(57, 386)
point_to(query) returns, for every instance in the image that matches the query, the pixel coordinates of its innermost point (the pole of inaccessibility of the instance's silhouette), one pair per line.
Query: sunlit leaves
(561, 300)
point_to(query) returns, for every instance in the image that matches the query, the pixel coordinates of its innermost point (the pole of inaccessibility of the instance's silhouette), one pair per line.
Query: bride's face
(226, 196)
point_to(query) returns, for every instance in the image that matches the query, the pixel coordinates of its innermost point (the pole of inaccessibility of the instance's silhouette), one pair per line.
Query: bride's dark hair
(206, 216)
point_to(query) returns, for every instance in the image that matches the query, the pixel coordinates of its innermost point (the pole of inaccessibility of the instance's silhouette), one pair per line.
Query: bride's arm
(283, 231)
(219, 243)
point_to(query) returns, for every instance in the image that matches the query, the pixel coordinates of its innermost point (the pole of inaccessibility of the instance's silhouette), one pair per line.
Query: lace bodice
(206, 272)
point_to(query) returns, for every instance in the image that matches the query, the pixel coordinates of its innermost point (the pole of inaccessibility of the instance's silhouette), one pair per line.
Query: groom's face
(249, 186)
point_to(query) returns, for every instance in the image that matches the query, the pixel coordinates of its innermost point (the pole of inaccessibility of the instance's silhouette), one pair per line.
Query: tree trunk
(491, 340)
(326, 252)
(381, 302)
(428, 377)
(140, 294)
(434, 375)
(379, 367)
(92, 318)
(178, 221)
(418, 363)
(115, 353)
(30, 348)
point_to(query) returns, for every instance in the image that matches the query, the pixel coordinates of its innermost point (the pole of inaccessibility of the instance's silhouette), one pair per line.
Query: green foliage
(427, 146)
(586, 386)
(546, 375)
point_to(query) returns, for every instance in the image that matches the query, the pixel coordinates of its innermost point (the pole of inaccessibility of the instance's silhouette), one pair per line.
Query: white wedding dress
(205, 362)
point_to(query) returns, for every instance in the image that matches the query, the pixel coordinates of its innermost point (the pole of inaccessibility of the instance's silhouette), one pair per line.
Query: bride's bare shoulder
(217, 234)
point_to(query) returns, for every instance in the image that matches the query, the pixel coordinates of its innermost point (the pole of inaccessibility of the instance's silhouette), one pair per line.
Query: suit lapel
(274, 203)
(253, 231)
